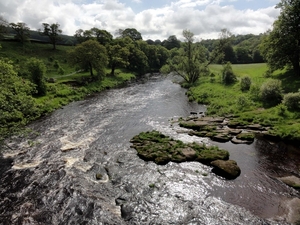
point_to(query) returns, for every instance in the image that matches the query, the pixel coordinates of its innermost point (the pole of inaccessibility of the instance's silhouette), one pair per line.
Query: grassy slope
(230, 100)
(61, 92)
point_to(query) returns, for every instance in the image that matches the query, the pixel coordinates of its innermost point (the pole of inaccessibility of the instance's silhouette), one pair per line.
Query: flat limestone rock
(294, 211)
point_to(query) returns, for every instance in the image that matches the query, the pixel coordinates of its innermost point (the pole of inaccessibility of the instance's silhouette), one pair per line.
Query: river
(78, 168)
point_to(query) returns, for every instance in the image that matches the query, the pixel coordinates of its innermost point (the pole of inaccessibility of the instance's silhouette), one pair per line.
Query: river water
(50, 176)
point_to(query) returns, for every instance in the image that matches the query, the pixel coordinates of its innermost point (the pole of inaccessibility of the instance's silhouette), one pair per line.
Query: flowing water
(79, 168)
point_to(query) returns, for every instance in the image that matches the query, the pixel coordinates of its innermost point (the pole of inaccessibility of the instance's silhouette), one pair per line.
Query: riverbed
(77, 167)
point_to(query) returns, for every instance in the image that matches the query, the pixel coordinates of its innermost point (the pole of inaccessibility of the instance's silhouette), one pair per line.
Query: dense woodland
(31, 62)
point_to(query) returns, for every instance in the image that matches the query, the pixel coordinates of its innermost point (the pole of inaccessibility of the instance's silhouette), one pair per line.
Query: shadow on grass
(290, 82)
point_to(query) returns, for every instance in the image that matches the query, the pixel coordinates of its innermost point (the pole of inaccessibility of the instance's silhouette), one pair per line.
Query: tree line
(96, 50)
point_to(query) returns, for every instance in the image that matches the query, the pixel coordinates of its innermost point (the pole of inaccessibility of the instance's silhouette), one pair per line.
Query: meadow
(246, 107)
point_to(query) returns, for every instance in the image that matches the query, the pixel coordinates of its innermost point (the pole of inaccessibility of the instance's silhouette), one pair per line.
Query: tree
(3, 26)
(90, 55)
(22, 31)
(16, 103)
(191, 62)
(218, 53)
(118, 53)
(102, 36)
(36, 70)
(281, 46)
(171, 42)
(52, 31)
(132, 33)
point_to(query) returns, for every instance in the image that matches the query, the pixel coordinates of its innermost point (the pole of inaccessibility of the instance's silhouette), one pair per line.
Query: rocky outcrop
(220, 129)
(154, 146)
(228, 169)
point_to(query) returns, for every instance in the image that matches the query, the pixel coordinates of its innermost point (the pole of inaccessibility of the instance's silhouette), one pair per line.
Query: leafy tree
(102, 36)
(191, 61)
(242, 55)
(228, 77)
(52, 31)
(36, 70)
(138, 61)
(22, 31)
(90, 55)
(171, 42)
(16, 103)
(281, 46)
(118, 53)
(131, 33)
(218, 52)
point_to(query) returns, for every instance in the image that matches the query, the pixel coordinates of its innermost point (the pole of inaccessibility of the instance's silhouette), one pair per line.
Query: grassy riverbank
(245, 106)
(65, 84)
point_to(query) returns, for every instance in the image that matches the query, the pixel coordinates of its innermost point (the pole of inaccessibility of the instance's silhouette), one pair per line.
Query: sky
(154, 19)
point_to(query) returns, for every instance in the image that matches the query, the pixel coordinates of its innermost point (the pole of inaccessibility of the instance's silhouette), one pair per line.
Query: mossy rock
(246, 136)
(209, 155)
(226, 168)
(154, 146)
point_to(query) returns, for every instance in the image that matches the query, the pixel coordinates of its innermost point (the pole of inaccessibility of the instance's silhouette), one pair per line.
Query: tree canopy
(22, 31)
(281, 45)
(90, 55)
(52, 31)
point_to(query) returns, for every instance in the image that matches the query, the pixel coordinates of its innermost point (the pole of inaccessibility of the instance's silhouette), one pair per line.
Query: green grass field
(245, 107)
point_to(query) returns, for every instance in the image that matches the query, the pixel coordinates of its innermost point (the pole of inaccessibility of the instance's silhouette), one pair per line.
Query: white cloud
(205, 18)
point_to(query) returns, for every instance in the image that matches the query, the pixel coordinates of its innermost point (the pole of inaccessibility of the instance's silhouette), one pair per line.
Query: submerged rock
(226, 168)
(291, 181)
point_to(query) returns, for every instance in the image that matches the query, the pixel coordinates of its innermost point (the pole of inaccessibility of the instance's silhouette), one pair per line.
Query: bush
(245, 83)
(36, 70)
(271, 92)
(242, 102)
(228, 77)
(255, 92)
(292, 101)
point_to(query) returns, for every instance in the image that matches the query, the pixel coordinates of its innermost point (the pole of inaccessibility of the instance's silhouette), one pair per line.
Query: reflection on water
(81, 169)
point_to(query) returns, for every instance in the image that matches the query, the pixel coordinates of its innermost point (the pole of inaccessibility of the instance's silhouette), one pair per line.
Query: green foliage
(281, 110)
(190, 61)
(281, 46)
(271, 92)
(52, 31)
(36, 70)
(245, 83)
(16, 103)
(91, 55)
(22, 31)
(228, 77)
(292, 101)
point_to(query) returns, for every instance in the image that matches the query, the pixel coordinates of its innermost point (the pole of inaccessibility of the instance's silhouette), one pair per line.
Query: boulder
(291, 181)
(226, 168)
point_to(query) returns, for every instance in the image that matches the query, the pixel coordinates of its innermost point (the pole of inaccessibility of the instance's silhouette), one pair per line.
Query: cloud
(205, 18)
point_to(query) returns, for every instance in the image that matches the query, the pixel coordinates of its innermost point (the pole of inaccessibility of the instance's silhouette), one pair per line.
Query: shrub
(271, 92)
(242, 102)
(36, 70)
(292, 101)
(228, 77)
(245, 83)
(281, 110)
(255, 92)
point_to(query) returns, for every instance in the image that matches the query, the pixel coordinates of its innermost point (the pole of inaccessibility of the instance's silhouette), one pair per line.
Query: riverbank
(246, 107)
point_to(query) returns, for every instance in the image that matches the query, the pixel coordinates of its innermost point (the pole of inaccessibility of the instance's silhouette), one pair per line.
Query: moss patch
(157, 147)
